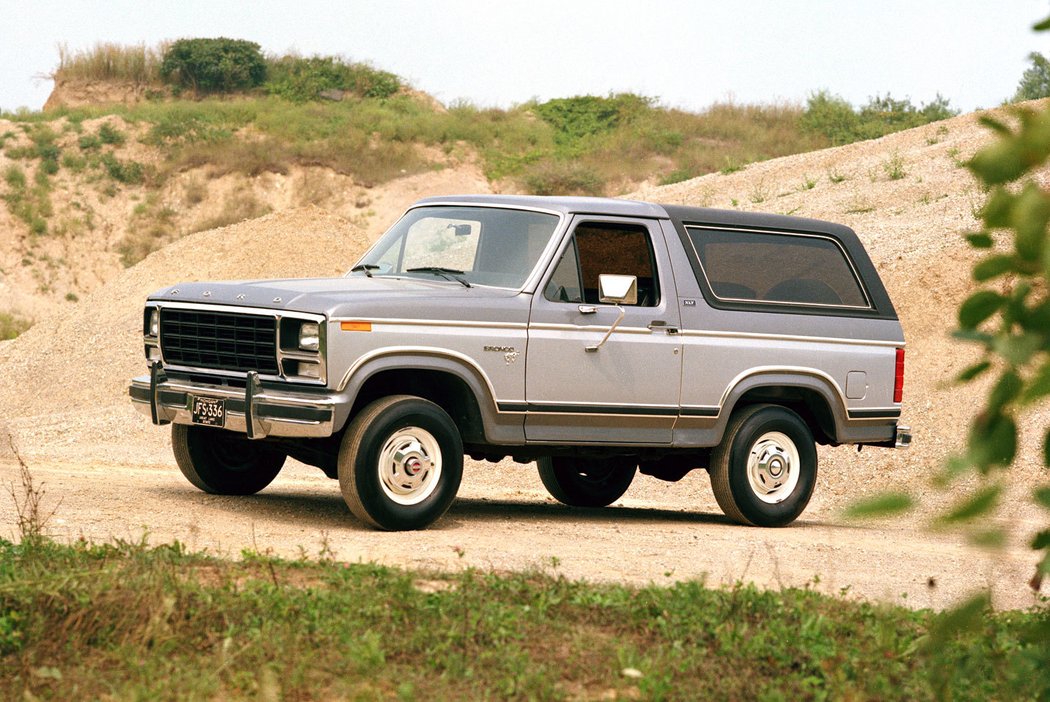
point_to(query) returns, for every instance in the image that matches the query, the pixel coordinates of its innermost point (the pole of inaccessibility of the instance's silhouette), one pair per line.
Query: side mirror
(618, 289)
(460, 229)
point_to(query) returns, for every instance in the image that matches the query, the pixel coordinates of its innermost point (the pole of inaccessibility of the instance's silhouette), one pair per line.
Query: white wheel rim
(773, 467)
(410, 466)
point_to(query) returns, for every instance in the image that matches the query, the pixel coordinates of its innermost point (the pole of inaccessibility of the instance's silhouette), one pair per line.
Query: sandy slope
(62, 397)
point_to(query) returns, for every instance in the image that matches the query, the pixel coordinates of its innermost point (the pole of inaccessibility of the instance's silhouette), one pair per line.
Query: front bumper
(256, 411)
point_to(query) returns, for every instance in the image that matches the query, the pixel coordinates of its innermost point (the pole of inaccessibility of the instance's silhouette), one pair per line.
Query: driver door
(628, 390)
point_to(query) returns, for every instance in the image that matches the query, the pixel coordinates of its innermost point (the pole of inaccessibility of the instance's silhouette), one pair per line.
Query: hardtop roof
(638, 208)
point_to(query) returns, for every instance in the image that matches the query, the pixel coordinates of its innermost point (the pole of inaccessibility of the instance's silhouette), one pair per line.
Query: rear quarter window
(778, 269)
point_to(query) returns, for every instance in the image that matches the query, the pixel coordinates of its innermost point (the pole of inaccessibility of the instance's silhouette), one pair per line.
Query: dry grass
(137, 63)
(241, 204)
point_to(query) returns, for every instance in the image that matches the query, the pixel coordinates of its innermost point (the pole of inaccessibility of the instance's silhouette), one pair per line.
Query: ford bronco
(600, 338)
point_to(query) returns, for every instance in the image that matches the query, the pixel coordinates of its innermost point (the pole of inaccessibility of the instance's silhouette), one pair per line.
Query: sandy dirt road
(503, 520)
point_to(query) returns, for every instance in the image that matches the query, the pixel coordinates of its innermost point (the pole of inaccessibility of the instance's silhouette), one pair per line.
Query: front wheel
(400, 463)
(224, 463)
(764, 471)
(581, 482)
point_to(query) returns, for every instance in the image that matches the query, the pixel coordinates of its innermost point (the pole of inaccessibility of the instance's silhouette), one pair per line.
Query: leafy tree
(1035, 81)
(213, 65)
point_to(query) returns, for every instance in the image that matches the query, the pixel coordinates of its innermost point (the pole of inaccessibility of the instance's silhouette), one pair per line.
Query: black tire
(580, 482)
(398, 494)
(769, 489)
(223, 463)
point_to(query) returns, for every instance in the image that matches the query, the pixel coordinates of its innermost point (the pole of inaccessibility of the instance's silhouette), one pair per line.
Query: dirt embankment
(62, 397)
(94, 222)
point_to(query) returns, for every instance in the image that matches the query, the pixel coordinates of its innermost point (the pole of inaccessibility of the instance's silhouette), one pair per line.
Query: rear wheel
(400, 463)
(764, 471)
(586, 482)
(224, 463)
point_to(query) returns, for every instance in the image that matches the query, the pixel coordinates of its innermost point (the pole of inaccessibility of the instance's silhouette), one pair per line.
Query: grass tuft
(110, 62)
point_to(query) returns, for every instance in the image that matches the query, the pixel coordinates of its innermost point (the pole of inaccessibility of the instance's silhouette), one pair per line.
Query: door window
(601, 247)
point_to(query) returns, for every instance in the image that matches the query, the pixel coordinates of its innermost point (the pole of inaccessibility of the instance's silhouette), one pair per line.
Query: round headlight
(309, 336)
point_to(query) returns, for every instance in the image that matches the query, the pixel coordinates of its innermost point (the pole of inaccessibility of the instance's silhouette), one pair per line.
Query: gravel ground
(110, 474)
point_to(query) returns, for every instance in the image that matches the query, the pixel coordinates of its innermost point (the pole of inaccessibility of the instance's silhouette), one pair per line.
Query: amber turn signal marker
(356, 326)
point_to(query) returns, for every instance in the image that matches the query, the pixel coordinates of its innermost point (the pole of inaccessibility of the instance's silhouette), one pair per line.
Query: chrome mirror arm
(591, 349)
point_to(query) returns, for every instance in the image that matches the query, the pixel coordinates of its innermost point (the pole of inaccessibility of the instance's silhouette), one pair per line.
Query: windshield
(476, 245)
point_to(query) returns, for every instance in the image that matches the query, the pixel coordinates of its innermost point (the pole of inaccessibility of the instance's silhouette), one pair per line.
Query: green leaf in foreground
(992, 267)
(980, 502)
(993, 441)
(973, 371)
(979, 307)
(1042, 496)
(885, 505)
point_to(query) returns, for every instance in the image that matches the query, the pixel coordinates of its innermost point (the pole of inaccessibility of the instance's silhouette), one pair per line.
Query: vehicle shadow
(327, 511)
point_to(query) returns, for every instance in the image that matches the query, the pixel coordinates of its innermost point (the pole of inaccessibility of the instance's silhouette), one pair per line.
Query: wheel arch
(449, 380)
(811, 394)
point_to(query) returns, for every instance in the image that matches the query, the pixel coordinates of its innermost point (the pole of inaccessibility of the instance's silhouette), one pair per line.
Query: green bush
(576, 118)
(301, 79)
(213, 65)
(835, 118)
(127, 172)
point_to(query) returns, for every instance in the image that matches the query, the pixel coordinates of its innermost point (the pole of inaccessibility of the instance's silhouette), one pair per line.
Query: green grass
(130, 621)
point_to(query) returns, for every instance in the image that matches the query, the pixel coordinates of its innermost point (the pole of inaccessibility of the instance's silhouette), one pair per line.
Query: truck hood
(356, 295)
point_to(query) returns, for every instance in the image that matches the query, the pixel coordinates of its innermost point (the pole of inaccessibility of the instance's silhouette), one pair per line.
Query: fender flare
(804, 378)
(419, 358)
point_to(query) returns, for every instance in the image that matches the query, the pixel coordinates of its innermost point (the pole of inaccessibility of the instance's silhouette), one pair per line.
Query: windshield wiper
(447, 273)
(366, 267)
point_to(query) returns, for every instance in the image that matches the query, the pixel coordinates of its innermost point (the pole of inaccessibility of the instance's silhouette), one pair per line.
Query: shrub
(111, 135)
(576, 118)
(301, 79)
(89, 142)
(562, 178)
(213, 65)
(127, 172)
(834, 117)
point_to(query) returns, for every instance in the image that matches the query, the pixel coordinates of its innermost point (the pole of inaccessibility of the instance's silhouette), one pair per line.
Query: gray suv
(600, 338)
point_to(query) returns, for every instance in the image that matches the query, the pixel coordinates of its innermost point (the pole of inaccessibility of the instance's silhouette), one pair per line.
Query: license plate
(208, 411)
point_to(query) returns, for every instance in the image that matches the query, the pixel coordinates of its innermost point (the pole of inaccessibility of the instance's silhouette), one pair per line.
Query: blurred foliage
(1009, 315)
(835, 118)
(1035, 81)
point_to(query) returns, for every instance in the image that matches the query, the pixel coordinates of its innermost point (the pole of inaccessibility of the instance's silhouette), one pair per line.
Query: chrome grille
(219, 340)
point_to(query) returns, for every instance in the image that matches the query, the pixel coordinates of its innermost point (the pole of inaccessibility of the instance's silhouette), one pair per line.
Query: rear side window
(777, 268)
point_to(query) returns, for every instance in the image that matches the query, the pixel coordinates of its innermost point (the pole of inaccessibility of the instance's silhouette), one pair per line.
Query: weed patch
(11, 325)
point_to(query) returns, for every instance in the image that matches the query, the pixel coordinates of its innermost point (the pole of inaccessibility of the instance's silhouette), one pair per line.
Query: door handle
(658, 324)
(587, 309)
